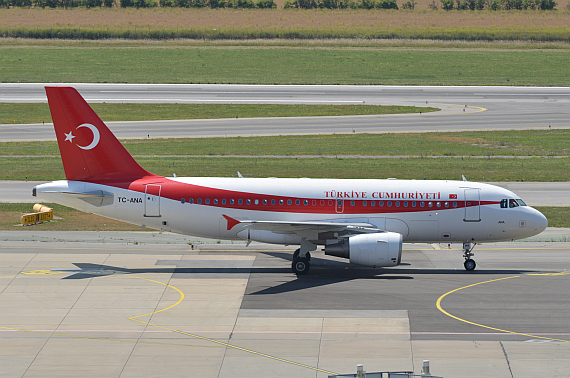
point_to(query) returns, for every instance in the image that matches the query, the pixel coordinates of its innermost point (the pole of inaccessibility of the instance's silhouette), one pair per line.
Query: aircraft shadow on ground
(332, 271)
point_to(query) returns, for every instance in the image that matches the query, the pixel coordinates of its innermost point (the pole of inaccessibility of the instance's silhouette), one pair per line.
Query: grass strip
(39, 112)
(488, 143)
(73, 220)
(456, 33)
(515, 169)
(267, 65)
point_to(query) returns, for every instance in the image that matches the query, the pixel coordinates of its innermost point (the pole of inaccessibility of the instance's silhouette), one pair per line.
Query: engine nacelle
(375, 250)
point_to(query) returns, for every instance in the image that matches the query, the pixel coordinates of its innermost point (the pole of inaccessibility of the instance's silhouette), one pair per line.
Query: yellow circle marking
(438, 304)
(134, 318)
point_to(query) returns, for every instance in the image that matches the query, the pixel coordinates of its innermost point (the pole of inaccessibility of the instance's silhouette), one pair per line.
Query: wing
(303, 228)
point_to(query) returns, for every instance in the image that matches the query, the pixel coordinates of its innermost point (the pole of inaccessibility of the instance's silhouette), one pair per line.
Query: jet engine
(375, 250)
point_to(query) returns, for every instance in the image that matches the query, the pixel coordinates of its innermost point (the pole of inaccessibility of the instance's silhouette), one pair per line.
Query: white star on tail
(69, 137)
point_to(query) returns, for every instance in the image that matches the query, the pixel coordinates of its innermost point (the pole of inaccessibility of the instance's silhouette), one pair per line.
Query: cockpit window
(510, 203)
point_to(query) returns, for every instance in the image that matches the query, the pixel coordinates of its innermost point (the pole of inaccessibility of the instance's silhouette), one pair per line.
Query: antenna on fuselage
(463, 177)
(239, 175)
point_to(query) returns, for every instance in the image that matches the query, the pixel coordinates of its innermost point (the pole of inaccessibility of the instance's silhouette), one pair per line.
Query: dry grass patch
(282, 19)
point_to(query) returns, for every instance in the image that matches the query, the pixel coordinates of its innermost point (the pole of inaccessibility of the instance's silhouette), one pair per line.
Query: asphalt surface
(73, 306)
(463, 109)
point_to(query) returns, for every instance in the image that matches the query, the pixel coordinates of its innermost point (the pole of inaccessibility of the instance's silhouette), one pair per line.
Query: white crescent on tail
(96, 136)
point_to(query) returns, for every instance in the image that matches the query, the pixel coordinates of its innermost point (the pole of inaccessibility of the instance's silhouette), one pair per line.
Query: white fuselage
(421, 211)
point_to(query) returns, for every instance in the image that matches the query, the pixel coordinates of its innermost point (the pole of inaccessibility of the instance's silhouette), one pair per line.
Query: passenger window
(422, 204)
(405, 203)
(413, 203)
(351, 203)
(454, 204)
(199, 201)
(190, 200)
(305, 202)
(248, 201)
(256, 202)
(297, 202)
(389, 203)
(281, 202)
(372, 203)
(397, 204)
(207, 201)
(240, 201)
(232, 201)
(215, 201)
(430, 204)
(223, 201)
(289, 202)
(381, 203)
(273, 202)
(364, 203)
(438, 204)
(447, 204)
(183, 201)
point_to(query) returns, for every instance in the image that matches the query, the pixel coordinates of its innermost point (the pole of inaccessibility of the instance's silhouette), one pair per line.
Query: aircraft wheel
(469, 264)
(300, 266)
(296, 255)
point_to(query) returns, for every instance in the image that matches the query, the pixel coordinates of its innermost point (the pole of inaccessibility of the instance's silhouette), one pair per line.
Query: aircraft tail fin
(89, 150)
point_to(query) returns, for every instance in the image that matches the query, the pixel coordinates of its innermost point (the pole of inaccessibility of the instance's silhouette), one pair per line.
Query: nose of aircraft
(538, 222)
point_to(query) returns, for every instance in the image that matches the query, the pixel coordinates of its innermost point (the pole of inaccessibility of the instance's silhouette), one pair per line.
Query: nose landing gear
(469, 263)
(301, 265)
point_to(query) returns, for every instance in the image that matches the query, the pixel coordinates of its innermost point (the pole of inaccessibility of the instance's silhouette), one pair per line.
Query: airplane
(363, 220)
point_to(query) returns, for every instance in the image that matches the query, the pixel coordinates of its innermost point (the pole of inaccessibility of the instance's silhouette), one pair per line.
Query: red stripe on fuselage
(214, 197)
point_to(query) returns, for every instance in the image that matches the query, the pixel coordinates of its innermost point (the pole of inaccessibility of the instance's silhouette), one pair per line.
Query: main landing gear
(301, 265)
(469, 263)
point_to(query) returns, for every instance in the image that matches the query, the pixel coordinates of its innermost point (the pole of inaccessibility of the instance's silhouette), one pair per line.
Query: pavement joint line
(212, 340)
(51, 334)
(439, 307)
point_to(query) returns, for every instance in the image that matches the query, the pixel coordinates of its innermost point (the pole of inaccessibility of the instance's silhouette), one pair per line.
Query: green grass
(516, 169)
(65, 219)
(557, 216)
(274, 65)
(37, 113)
(492, 143)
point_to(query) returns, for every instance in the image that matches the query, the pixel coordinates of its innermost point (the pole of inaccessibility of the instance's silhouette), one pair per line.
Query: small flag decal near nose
(453, 196)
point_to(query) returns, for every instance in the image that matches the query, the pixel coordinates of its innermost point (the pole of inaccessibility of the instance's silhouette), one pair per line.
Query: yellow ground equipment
(41, 214)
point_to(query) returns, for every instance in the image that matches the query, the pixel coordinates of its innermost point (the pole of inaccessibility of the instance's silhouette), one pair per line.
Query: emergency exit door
(152, 201)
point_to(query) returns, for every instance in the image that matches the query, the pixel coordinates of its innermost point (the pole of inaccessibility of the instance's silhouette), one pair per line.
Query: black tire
(296, 255)
(300, 266)
(469, 264)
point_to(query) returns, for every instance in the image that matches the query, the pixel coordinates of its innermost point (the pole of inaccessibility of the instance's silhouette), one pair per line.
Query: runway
(220, 310)
(462, 109)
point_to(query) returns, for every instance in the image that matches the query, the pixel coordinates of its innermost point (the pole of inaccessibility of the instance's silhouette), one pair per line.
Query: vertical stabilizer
(89, 150)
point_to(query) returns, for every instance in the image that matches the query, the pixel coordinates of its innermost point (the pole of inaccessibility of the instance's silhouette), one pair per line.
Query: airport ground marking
(465, 106)
(134, 318)
(438, 304)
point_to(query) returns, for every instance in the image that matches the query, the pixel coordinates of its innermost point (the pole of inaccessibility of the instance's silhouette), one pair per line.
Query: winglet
(89, 150)
(231, 221)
